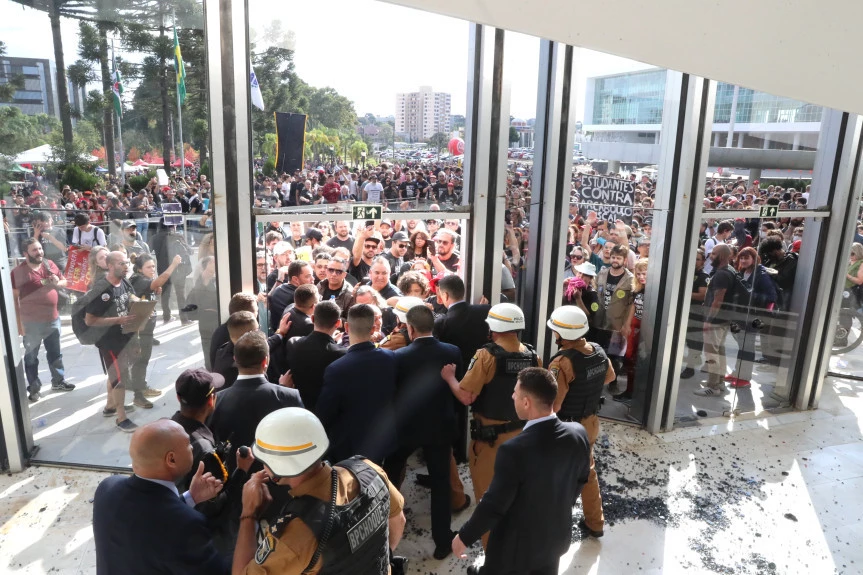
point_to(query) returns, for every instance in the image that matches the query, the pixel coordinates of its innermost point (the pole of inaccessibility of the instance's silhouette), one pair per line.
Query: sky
(367, 50)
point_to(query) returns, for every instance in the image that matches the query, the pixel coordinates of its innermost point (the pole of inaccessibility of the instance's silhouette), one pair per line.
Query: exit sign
(768, 211)
(367, 212)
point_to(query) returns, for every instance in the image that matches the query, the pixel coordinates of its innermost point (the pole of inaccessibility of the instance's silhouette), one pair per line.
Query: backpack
(739, 293)
(177, 246)
(86, 334)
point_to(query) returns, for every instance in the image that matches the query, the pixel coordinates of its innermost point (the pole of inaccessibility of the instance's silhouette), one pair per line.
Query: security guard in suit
(487, 387)
(398, 337)
(582, 371)
(340, 519)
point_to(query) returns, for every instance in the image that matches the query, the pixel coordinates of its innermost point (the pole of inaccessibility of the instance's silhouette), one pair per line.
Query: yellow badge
(620, 294)
(594, 307)
(268, 543)
(472, 361)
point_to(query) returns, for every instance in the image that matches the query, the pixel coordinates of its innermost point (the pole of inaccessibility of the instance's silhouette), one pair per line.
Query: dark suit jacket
(464, 326)
(142, 528)
(355, 404)
(278, 300)
(223, 361)
(241, 408)
(424, 407)
(301, 325)
(220, 338)
(307, 358)
(538, 475)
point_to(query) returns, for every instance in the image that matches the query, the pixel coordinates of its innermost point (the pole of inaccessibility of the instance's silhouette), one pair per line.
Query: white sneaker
(708, 392)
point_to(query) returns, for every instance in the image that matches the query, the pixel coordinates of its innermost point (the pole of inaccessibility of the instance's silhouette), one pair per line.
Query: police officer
(488, 386)
(582, 371)
(340, 519)
(398, 337)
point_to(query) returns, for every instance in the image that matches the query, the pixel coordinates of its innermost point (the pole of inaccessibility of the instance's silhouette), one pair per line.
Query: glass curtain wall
(747, 303)
(847, 342)
(616, 167)
(107, 219)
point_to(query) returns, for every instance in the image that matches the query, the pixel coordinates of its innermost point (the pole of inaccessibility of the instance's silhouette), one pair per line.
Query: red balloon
(456, 147)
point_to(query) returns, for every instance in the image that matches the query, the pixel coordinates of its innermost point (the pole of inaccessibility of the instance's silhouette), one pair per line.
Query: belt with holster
(490, 433)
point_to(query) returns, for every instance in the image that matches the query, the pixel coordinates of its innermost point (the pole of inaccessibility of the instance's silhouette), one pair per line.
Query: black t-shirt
(142, 286)
(336, 242)
(452, 263)
(330, 293)
(610, 285)
(408, 190)
(638, 301)
(359, 271)
(699, 282)
(722, 278)
(112, 301)
(391, 192)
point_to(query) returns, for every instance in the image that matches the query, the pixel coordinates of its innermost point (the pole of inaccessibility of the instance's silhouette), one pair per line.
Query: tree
(281, 88)
(357, 150)
(268, 148)
(17, 132)
(11, 83)
(439, 141)
(329, 108)
(513, 135)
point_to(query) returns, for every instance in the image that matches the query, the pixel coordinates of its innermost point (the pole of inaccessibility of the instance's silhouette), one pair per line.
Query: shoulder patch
(554, 371)
(620, 294)
(594, 307)
(472, 361)
(105, 297)
(268, 543)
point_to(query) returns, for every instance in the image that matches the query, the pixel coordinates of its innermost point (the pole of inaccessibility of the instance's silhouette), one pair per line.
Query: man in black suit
(241, 301)
(308, 357)
(278, 300)
(463, 326)
(538, 475)
(425, 417)
(239, 324)
(355, 404)
(142, 525)
(299, 316)
(240, 408)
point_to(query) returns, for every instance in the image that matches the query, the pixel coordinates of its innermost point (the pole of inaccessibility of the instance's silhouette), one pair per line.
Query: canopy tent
(19, 170)
(187, 164)
(140, 162)
(41, 155)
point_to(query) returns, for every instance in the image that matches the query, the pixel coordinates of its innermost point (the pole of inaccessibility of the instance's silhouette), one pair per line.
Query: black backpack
(87, 335)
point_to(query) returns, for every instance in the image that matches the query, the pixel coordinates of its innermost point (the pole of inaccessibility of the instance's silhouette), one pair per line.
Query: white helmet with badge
(505, 317)
(569, 321)
(404, 305)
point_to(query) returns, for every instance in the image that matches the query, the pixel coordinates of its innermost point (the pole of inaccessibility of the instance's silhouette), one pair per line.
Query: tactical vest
(495, 399)
(585, 389)
(358, 540)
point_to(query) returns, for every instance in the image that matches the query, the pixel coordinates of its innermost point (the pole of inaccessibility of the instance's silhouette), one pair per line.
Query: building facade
(626, 109)
(420, 115)
(39, 94)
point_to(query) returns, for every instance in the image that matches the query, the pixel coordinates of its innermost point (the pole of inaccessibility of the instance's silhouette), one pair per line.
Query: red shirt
(331, 192)
(37, 302)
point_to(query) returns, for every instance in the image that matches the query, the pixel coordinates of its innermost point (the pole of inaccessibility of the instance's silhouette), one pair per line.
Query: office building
(420, 115)
(39, 94)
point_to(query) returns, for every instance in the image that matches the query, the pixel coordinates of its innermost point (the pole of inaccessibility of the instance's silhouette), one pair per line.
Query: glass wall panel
(109, 232)
(847, 356)
(614, 186)
(747, 303)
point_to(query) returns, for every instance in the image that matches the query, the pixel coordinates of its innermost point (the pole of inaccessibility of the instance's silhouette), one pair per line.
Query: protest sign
(77, 265)
(169, 210)
(610, 198)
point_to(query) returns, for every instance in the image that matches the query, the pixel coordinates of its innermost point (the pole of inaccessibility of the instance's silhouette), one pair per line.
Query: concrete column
(733, 116)
(796, 145)
(766, 145)
(754, 174)
(739, 141)
(715, 139)
(614, 166)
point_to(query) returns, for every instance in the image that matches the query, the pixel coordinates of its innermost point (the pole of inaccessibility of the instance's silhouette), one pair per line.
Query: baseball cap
(194, 386)
(387, 223)
(400, 237)
(314, 233)
(127, 224)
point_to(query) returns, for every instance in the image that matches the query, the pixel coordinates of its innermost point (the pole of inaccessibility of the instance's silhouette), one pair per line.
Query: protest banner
(77, 266)
(172, 213)
(611, 198)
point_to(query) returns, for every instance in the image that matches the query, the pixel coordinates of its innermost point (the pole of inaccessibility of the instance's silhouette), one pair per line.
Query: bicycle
(849, 332)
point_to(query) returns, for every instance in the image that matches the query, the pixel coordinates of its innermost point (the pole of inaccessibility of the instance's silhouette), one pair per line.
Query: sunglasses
(370, 246)
(335, 271)
(576, 257)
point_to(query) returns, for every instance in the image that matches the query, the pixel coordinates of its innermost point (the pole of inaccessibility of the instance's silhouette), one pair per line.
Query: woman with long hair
(632, 327)
(420, 246)
(97, 264)
(147, 286)
(759, 302)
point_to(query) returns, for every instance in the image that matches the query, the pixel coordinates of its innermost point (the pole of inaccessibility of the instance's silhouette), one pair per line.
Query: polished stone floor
(775, 494)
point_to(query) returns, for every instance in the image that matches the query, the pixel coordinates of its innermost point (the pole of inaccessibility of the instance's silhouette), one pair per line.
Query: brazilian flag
(180, 68)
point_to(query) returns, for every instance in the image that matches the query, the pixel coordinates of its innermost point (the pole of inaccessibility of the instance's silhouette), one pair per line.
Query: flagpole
(119, 129)
(182, 157)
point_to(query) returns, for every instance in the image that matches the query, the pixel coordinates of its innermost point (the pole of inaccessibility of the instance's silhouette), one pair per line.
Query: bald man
(142, 525)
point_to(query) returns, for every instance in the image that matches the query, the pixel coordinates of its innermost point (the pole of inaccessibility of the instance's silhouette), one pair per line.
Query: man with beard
(343, 238)
(365, 249)
(34, 291)
(445, 258)
(716, 319)
(614, 290)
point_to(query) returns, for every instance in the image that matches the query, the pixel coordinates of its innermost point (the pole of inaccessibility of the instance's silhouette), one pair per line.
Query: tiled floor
(780, 494)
